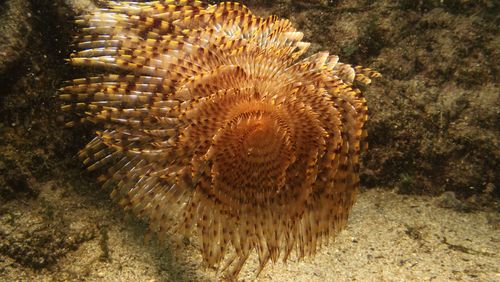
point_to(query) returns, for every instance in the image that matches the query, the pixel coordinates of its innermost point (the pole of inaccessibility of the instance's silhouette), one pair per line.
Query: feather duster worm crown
(210, 124)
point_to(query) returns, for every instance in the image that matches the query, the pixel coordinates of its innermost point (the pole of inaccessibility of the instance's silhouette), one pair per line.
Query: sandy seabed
(390, 237)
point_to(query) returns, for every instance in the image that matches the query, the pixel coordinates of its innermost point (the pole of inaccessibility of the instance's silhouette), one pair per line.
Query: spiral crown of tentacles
(210, 123)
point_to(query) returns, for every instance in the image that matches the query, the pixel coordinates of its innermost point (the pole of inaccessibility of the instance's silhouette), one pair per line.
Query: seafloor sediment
(66, 235)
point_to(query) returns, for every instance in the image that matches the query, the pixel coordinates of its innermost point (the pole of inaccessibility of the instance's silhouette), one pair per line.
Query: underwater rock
(439, 109)
(36, 233)
(15, 29)
(79, 7)
(32, 145)
(40, 248)
(210, 123)
(448, 200)
(14, 179)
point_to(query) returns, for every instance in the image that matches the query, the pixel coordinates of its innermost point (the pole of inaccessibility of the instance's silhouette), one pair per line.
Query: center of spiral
(259, 137)
(251, 156)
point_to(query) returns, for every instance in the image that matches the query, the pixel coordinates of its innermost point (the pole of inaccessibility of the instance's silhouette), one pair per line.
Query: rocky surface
(15, 16)
(433, 128)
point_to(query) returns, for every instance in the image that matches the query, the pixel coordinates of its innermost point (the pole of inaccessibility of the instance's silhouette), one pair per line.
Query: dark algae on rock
(433, 127)
(440, 108)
